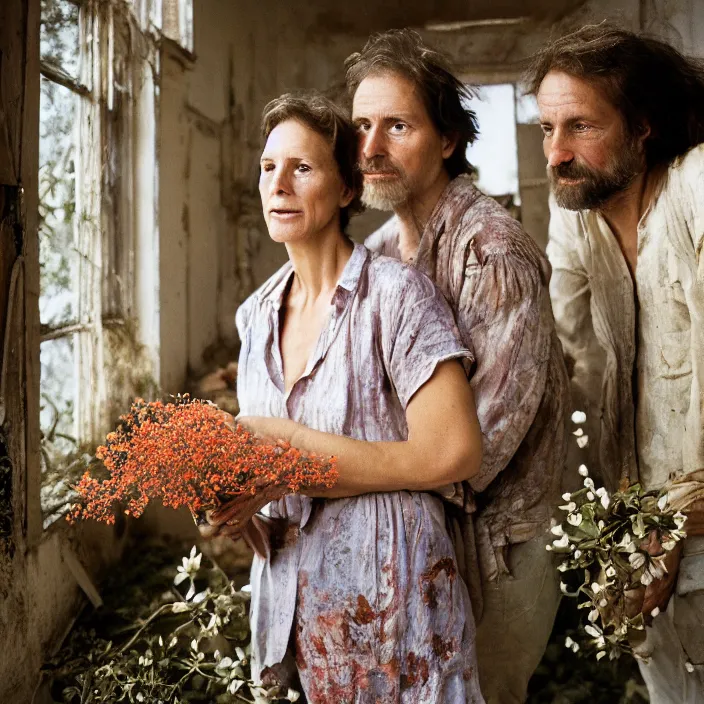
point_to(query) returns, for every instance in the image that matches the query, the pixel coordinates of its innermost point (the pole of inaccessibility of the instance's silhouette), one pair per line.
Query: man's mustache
(569, 169)
(379, 165)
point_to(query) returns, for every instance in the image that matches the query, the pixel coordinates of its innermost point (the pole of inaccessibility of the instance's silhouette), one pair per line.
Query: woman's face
(300, 184)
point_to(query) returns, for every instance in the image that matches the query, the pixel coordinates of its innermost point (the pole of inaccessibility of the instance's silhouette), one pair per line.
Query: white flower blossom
(610, 572)
(662, 502)
(636, 560)
(600, 655)
(688, 666)
(578, 433)
(557, 530)
(669, 545)
(567, 496)
(589, 484)
(592, 631)
(590, 496)
(583, 441)
(680, 519)
(575, 519)
(593, 615)
(562, 567)
(583, 471)
(579, 417)
(563, 588)
(189, 566)
(646, 578)
(292, 695)
(571, 506)
(655, 612)
(603, 603)
(562, 542)
(596, 587)
(577, 554)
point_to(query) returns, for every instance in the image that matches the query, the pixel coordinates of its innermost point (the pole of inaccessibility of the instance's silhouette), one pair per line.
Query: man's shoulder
(688, 169)
(486, 227)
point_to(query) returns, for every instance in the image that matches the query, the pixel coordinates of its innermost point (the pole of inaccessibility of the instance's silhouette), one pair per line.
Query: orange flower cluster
(185, 454)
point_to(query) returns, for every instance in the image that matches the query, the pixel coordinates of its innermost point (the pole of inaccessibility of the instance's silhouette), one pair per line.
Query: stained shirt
(365, 587)
(636, 352)
(496, 282)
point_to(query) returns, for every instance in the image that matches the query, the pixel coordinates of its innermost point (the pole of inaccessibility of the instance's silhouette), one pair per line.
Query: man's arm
(504, 309)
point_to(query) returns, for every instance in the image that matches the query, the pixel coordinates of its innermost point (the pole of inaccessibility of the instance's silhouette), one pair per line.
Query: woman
(348, 354)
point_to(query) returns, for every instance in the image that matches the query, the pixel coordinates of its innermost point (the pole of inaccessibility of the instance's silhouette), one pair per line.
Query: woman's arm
(443, 446)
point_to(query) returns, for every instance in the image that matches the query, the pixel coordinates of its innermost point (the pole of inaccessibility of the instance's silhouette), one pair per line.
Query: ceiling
(365, 16)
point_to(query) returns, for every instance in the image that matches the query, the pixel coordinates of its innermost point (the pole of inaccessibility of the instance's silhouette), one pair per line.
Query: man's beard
(384, 194)
(595, 187)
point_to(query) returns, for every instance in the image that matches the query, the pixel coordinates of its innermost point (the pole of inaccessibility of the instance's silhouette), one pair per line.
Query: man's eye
(547, 131)
(303, 168)
(399, 127)
(581, 127)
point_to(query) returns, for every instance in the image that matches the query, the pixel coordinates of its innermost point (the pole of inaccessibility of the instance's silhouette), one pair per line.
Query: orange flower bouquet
(185, 454)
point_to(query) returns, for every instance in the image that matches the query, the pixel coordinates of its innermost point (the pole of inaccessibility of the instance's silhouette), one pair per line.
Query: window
(97, 151)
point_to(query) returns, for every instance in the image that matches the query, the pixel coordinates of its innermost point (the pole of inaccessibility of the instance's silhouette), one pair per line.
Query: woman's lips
(282, 214)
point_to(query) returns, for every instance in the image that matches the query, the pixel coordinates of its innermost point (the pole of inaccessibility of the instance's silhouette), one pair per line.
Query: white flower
(568, 642)
(579, 417)
(590, 496)
(575, 647)
(574, 519)
(583, 441)
(655, 611)
(646, 578)
(189, 566)
(292, 695)
(603, 603)
(610, 572)
(577, 554)
(688, 666)
(669, 545)
(557, 530)
(605, 501)
(662, 502)
(600, 654)
(589, 483)
(593, 615)
(247, 589)
(562, 567)
(578, 433)
(583, 471)
(179, 607)
(562, 542)
(601, 525)
(637, 560)
(592, 631)
(571, 506)
(194, 645)
(657, 569)
(596, 587)
(548, 548)
(566, 496)
(680, 519)
(563, 588)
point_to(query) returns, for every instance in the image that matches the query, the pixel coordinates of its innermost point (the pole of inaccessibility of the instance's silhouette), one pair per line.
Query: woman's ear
(346, 196)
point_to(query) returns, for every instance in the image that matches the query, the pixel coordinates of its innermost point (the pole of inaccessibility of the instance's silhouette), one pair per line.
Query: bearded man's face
(591, 155)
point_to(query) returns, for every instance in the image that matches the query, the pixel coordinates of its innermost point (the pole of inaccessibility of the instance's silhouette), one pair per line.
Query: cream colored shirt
(636, 357)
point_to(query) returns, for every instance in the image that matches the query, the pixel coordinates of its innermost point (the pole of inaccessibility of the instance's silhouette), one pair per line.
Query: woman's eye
(303, 168)
(267, 167)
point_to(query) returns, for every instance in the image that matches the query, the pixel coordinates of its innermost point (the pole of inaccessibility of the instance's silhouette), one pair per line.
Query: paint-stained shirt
(496, 281)
(636, 351)
(366, 588)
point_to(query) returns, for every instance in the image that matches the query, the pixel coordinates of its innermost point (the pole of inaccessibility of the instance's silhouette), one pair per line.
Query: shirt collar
(273, 291)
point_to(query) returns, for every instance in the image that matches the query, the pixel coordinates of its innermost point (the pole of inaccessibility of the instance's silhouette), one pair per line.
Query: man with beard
(414, 127)
(623, 119)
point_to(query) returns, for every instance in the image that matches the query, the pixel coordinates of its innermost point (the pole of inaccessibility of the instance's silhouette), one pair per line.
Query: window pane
(59, 42)
(495, 154)
(57, 203)
(58, 398)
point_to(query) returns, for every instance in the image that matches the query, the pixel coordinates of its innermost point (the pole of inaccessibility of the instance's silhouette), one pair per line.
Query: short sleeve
(421, 333)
